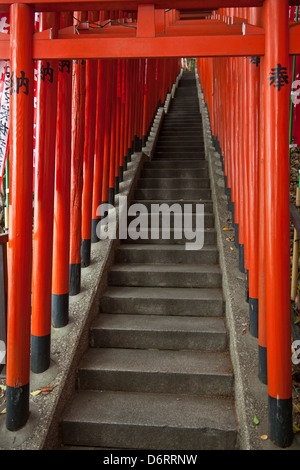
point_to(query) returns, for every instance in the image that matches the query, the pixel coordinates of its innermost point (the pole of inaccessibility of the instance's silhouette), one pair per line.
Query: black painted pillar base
(94, 236)
(121, 174)
(262, 364)
(144, 141)
(247, 285)
(60, 310)
(75, 279)
(129, 154)
(85, 253)
(40, 353)
(111, 196)
(229, 199)
(17, 407)
(117, 184)
(280, 421)
(253, 312)
(125, 163)
(241, 258)
(236, 235)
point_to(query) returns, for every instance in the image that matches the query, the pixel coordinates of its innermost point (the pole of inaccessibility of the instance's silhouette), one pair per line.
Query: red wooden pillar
(239, 157)
(122, 119)
(118, 123)
(245, 152)
(253, 194)
(88, 155)
(145, 102)
(262, 333)
(277, 219)
(43, 206)
(78, 130)
(141, 102)
(99, 146)
(20, 227)
(236, 148)
(231, 95)
(241, 215)
(130, 102)
(126, 112)
(61, 229)
(107, 129)
(112, 162)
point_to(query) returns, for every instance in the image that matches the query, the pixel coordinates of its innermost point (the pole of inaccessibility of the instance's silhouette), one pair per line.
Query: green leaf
(255, 421)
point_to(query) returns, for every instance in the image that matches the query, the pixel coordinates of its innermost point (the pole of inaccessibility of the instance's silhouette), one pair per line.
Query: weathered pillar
(20, 230)
(277, 217)
(43, 206)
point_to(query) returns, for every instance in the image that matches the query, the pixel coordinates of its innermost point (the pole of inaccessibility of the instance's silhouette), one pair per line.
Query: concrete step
(165, 275)
(180, 134)
(159, 371)
(173, 183)
(191, 153)
(180, 108)
(174, 140)
(175, 156)
(175, 173)
(158, 332)
(188, 132)
(181, 145)
(157, 218)
(163, 194)
(184, 118)
(189, 113)
(180, 164)
(182, 150)
(131, 253)
(158, 236)
(172, 126)
(163, 301)
(186, 205)
(150, 421)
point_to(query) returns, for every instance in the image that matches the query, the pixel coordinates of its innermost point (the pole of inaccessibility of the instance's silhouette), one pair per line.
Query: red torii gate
(155, 34)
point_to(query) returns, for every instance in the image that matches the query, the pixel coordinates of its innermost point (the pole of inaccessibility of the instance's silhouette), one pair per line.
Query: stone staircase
(158, 374)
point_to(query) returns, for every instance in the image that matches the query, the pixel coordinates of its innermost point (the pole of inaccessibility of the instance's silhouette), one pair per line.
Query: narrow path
(158, 374)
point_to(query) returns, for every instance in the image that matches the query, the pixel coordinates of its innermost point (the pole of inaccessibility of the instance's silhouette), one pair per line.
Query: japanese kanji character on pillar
(46, 72)
(255, 60)
(22, 82)
(279, 77)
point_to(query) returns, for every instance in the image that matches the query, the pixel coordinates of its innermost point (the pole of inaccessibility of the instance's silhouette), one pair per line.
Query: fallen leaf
(231, 248)
(47, 388)
(3, 412)
(295, 428)
(255, 421)
(44, 390)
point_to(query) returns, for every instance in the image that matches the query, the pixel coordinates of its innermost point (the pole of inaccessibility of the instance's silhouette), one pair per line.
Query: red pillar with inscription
(78, 131)
(44, 206)
(61, 229)
(20, 230)
(277, 220)
(88, 155)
